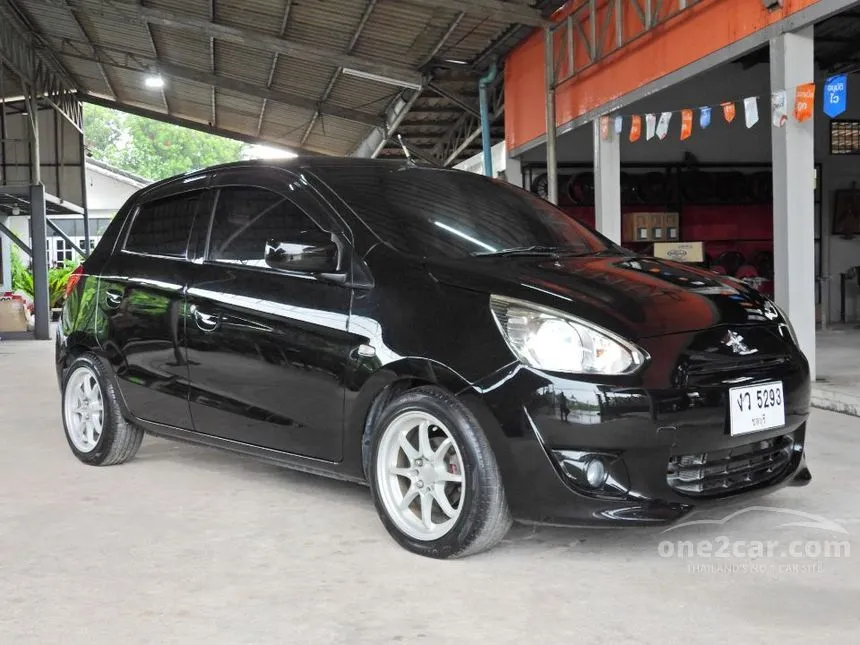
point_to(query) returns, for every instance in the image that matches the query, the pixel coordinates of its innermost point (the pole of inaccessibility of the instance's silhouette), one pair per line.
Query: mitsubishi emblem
(735, 342)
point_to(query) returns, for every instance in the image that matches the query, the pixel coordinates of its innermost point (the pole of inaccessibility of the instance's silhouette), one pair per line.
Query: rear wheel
(95, 428)
(435, 481)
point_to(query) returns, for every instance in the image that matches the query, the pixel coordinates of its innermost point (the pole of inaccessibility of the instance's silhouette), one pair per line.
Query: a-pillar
(793, 150)
(607, 182)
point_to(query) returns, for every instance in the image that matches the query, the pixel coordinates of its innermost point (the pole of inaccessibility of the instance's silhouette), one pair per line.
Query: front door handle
(206, 322)
(113, 298)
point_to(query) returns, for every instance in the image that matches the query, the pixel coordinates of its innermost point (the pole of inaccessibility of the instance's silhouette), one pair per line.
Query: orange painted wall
(703, 29)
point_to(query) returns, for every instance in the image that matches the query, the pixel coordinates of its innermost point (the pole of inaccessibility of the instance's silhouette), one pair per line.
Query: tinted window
(454, 214)
(162, 227)
(247, 218)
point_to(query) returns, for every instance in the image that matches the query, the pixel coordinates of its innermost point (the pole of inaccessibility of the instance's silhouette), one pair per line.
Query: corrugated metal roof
(217, 52)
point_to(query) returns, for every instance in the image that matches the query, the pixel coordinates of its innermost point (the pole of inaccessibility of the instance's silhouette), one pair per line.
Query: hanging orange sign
(729, 111)
(604, 127)
(686, 124)
(635, 128)
(804, 101)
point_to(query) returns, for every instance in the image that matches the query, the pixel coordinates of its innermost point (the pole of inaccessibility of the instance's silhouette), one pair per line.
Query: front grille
(724, 472)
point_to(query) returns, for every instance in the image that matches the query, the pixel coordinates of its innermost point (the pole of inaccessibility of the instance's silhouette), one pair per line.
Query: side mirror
(311, 251)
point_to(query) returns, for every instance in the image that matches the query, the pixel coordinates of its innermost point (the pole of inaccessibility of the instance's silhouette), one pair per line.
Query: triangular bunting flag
(835, 95)
(650, 126)
(804, 100)
(729, 111)
(704, 117)
(686, 124)
(635, 128)
(663, 125)
(751, 111)
(778, 109)
(604, 127)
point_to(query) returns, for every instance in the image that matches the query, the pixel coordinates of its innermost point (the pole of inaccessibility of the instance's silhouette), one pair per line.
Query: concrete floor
(190, 545)
(838, 356)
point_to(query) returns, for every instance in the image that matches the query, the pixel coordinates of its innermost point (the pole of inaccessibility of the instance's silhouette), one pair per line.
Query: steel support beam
(356, 34)
(551, 139)
(793, 150)
(492, 9)
(38, 227)
(271, 79)
(17, 240)
(63, 235)
(250, 38)
(138, 63)
(185, 123)
(607, 183)
(458, 101)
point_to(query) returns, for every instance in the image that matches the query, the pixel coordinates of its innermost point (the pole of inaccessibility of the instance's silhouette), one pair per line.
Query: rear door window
(162, 227)
(246, 218)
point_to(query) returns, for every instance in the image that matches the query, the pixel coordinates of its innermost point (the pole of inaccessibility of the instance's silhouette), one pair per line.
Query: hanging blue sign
(704, 117)
(835, 95)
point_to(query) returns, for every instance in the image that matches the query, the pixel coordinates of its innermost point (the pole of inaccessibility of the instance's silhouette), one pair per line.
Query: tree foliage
(150, 148)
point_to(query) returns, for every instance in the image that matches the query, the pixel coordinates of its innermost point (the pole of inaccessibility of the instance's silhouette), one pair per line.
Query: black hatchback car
(464, 347)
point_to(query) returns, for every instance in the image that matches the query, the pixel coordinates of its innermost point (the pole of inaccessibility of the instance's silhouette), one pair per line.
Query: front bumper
(663, 438)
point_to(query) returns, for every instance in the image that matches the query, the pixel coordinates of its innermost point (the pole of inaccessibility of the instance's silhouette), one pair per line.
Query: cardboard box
(13, 316)
(680, 251)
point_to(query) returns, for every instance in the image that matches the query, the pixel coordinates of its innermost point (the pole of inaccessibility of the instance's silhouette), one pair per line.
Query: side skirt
(310, 465)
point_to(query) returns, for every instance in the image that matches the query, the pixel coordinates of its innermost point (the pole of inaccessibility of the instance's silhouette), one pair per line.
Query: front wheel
(435, 481)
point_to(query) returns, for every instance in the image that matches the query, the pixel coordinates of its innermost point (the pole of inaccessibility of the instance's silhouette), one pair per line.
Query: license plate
(756, 407)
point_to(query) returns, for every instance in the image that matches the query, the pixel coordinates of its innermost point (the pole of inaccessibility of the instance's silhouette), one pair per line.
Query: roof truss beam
(494, 9)
(249, 37)
(143, 62)
(365, 16)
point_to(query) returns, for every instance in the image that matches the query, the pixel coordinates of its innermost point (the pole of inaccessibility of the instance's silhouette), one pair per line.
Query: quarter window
(162, 227)
(247, 218)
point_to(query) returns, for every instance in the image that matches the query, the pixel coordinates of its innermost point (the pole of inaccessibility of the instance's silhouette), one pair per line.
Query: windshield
(449, 214)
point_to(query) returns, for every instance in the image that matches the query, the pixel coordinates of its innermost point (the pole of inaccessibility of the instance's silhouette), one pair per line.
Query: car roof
(296, 163)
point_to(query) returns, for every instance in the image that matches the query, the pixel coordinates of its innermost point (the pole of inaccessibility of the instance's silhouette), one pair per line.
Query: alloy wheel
(419, 475)
(83, 408)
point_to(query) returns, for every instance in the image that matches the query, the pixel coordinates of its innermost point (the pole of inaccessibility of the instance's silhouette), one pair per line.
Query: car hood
(636, 297)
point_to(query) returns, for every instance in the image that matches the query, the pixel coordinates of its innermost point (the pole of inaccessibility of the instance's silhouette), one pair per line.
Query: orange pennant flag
(686, 124)
(729, 111)
(635, 128)
(804, 101)
(604, 127)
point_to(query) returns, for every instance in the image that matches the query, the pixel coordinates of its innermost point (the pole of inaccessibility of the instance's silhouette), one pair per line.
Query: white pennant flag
(619, 124)
(650, 125)
(751, 111)
(778, 109)
(663, 125)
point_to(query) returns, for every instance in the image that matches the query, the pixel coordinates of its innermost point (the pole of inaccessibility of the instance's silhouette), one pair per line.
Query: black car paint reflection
(292, 367)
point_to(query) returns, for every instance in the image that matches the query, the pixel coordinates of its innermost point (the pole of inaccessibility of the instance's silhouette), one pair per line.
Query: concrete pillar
(793, 150)
(38, 225)
(607, 183)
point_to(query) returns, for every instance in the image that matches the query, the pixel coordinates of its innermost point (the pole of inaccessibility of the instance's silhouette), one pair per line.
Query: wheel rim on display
(419, 475)
(83, 408)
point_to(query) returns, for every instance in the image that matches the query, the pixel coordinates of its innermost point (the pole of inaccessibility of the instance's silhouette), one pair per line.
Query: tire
(118, 440)
(481, 515)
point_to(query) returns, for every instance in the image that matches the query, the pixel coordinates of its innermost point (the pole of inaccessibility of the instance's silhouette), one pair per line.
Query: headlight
(552, 340)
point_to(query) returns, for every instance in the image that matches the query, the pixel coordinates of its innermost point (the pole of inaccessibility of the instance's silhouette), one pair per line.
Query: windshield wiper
(550, 251)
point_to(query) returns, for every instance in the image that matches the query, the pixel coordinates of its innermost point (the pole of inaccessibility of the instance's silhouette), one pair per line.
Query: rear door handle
(206, 322)
(113, 298)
